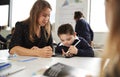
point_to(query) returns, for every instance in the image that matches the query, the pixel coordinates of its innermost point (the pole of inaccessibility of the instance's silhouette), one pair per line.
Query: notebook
(4, 65)
(12, 70)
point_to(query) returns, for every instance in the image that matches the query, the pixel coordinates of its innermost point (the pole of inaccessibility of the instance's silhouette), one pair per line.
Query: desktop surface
(34, 64)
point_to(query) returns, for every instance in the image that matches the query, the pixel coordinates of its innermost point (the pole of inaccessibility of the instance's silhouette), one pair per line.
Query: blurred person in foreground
(112, 49)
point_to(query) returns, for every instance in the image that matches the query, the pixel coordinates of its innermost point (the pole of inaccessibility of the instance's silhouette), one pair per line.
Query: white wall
(100, 38)
(3, 15)
(21, 10)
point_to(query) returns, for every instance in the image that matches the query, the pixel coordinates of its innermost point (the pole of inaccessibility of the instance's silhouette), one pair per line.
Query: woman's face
(44, 17)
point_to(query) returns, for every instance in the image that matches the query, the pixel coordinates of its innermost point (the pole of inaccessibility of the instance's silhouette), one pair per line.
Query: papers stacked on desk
(4, 54)
(4, 65)
(12, 70)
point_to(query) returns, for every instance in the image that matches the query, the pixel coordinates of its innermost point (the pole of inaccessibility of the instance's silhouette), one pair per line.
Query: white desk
(89, 64)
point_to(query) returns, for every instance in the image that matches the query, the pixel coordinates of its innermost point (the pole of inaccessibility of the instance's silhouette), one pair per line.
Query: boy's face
(67, 39)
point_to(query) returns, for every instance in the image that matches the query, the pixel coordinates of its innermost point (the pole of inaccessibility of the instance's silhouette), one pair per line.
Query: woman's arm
(41, 52)
(17, 44)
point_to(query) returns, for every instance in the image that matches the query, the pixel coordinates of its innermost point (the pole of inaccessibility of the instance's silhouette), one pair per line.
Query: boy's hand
(67, 54)
(73, 50)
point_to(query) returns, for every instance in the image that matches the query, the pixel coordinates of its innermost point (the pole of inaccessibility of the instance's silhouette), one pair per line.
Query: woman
(82, 28)
(32, 37)
(112, 51)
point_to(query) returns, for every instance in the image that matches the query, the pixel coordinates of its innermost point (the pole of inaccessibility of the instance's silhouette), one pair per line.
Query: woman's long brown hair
(112, 48)
(37, 8)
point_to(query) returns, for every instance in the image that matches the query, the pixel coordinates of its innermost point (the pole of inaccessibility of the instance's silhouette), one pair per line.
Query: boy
(71, 45)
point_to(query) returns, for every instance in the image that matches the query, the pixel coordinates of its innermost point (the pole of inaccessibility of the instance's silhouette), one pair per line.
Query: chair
(3, 45)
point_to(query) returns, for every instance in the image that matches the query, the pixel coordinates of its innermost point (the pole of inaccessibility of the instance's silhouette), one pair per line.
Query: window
(19, 15)
(97, 16)
(4, 15)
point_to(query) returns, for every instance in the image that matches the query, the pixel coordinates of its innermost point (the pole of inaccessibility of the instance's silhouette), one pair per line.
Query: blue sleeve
(84, 49)
(92, 34)
(82, 30)
(58, 49)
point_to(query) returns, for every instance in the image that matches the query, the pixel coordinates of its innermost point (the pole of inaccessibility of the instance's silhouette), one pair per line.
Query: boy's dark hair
(78, 14)
(65, 29)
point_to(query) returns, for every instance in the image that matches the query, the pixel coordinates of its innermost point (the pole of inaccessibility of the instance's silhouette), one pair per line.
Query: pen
(26, 60)
(13, 72)
(4, 66)
(77, 43)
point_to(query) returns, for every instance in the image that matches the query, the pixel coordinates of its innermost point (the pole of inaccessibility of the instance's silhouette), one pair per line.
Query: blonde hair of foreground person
(112, 48)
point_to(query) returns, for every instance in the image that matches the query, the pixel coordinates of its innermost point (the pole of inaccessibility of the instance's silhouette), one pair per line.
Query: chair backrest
(3, 45)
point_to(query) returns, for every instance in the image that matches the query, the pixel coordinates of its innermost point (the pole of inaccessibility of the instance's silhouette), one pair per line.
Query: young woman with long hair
(32, 37)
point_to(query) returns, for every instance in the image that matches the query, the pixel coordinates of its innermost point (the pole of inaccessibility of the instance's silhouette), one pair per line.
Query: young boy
(71, 45)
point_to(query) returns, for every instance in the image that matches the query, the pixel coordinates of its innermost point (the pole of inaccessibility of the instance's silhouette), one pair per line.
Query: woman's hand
(43, 52)
(35, 48)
